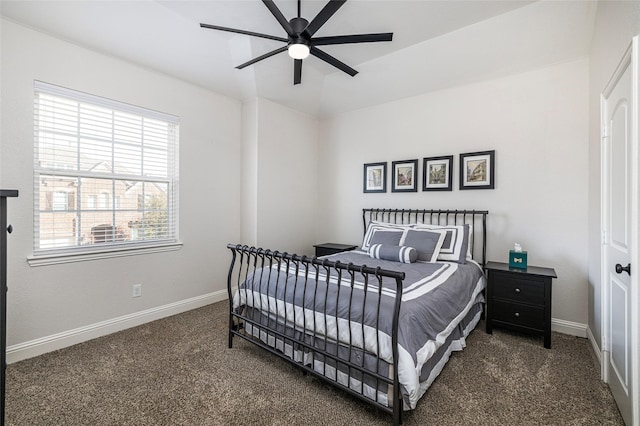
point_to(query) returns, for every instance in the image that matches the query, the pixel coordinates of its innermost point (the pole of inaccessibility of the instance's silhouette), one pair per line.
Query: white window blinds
(105, 173)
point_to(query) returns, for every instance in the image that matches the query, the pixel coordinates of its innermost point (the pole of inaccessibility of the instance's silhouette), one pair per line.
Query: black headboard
(476, 218)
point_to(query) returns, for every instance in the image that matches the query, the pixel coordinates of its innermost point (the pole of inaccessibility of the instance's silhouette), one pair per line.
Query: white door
(619, 167)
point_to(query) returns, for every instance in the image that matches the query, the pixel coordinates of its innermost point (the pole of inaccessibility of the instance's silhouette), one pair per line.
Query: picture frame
(375, 178)
(477, 170)
(437, 173)
(404, 176)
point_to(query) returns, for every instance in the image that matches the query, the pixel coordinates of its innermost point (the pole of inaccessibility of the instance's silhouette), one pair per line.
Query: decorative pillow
(375, 227)
(394, 253)
(455, 246)
(427, 242)
(386, 237)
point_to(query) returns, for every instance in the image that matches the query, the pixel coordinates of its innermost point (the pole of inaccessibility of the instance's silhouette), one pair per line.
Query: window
(122, 160)
(104, 201)
(60, 200)
(92, 202)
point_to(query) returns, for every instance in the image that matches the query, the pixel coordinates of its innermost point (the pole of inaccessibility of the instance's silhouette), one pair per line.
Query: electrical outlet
(137, 290)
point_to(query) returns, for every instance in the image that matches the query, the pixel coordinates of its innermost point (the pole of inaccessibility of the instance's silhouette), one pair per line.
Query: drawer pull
(517, 314)
(517, 290)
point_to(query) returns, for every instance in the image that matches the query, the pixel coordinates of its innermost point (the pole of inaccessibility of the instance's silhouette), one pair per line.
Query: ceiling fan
(300, 40)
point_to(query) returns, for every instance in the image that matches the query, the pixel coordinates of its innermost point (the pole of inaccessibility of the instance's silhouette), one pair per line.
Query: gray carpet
(178, 371)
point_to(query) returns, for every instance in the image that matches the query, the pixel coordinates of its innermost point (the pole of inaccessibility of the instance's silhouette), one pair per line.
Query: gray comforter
(435, 297)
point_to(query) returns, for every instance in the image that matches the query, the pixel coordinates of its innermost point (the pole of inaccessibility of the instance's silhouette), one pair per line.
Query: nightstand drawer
(327, 249)
(518, 289)
(522, 315)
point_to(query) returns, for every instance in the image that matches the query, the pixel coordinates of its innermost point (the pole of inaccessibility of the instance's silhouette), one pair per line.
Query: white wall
(615, 25)
(537, 122)
(47, 300)
(249, 228)
(286, 204)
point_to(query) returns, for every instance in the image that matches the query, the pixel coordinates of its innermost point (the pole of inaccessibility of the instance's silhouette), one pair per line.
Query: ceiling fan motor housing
(299, 25)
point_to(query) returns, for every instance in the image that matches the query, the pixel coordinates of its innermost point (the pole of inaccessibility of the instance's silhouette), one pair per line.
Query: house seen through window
(105, 172)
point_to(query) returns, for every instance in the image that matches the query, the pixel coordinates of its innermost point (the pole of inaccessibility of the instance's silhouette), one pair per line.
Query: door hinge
(604, 237)
(605, 131)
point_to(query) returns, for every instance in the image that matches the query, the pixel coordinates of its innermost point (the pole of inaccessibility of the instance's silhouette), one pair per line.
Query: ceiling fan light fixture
(299, 50)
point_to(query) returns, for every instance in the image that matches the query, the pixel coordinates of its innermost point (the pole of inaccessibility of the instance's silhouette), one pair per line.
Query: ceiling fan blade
(259, 58)
(279, 16)
(250, 33)
(333, 61)
(297, 71)
(355, 38)
(327, 12)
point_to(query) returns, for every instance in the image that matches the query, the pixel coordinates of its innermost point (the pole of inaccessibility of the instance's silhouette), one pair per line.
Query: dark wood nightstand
(519, 299)
(326, 249)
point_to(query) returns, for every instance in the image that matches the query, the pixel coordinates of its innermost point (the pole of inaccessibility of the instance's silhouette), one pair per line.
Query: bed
(379, 322)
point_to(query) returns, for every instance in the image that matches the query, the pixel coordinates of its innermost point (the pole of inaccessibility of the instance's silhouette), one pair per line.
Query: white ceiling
(436, 44)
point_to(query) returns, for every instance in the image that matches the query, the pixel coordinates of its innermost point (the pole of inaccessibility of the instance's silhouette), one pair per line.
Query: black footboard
(322, 316)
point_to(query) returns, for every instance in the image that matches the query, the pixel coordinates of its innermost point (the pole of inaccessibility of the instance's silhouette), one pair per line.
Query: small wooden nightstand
(519, 299)
(326, 249)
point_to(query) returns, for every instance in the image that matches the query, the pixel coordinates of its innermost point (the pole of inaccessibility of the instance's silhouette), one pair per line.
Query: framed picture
(437, 173)
(477, 170)
(404, 176)
(375, 177)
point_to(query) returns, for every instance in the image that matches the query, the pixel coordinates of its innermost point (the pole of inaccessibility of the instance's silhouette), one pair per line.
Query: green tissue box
(517, 259)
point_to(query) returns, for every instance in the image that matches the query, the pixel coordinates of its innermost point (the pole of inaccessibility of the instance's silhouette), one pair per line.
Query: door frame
(630, 58)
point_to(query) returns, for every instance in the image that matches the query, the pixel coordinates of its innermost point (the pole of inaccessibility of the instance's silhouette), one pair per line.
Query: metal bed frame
(261, 328)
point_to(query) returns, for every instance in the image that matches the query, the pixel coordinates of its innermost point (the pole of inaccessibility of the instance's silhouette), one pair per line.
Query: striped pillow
(394, 253)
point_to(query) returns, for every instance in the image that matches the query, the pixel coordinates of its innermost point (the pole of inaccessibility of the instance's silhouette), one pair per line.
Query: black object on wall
(4, 194)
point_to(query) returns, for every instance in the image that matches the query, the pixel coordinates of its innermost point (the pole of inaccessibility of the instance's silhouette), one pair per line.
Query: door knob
(620, 268)
(9, 229)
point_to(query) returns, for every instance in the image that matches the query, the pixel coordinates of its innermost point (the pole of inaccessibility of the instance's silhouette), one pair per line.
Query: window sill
(59, 258)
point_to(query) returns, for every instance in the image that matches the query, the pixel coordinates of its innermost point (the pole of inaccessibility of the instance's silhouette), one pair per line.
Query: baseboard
(57, 341)
(569, 327)
(596, 348)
